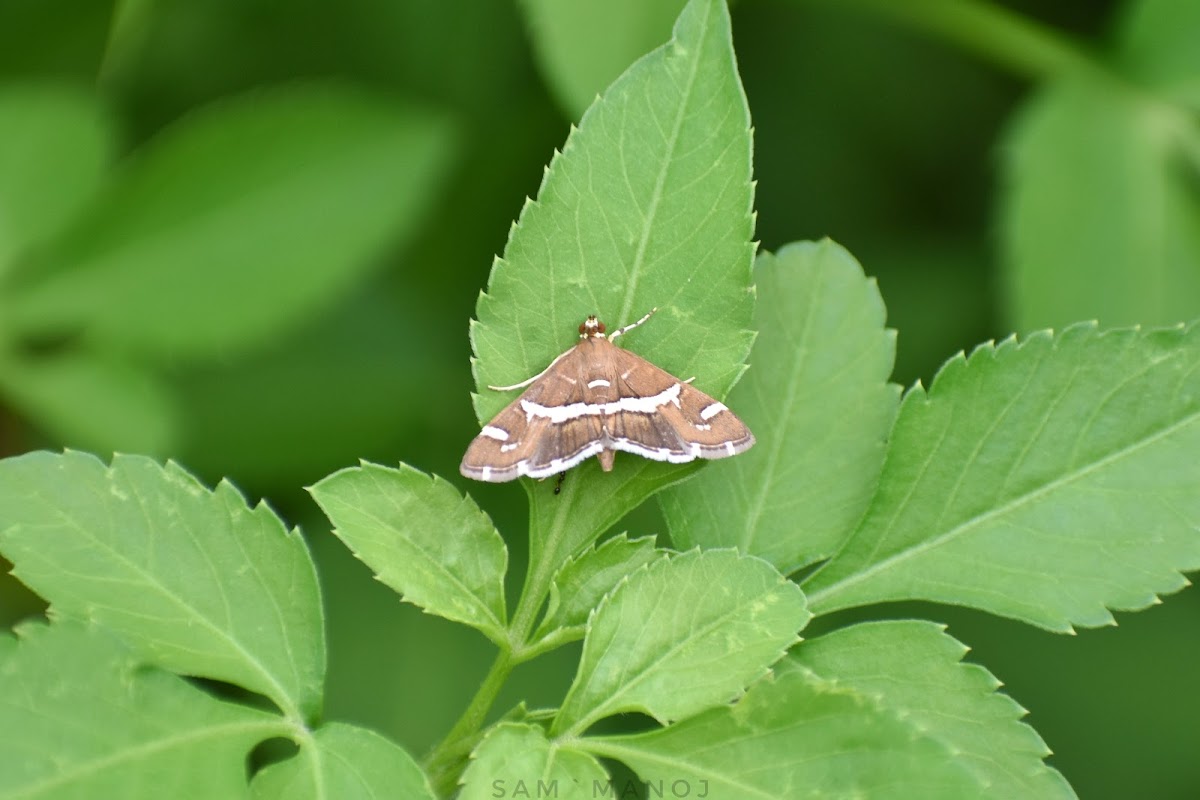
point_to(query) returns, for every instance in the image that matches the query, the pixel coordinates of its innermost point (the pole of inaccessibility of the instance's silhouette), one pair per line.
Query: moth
(596, 399)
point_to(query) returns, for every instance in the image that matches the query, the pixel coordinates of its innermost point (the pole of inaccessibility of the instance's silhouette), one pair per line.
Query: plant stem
(1011, 40)
(544, 559)
(445, 763)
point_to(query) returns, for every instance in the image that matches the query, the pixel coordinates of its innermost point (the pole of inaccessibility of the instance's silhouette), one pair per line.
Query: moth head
(591, 328)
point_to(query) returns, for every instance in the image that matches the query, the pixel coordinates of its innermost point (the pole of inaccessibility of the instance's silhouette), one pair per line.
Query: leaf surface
(518, 761)
(913, 669)
(584, 581)
(81, 719)
(1158, 46)
(423, 539)
(57, 143)
(196, 581)
(1102, 213)
(94, 401)
(682, 635)
(648, 205)
(344, 761)
(1047, 480)
(818, 400)
(238, 222)
(794, 736)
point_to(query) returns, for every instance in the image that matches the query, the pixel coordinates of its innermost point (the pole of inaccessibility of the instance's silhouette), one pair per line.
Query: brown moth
(594, 400)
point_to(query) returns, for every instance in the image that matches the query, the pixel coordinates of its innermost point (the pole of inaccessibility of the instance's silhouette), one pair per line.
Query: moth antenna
(520, 385)
(528, 381)
(631, 325)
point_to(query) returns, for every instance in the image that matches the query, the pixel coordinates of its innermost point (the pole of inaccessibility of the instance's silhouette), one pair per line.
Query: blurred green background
(248, 235)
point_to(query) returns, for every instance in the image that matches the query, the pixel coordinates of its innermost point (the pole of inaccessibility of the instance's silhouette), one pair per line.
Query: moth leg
(631, 325)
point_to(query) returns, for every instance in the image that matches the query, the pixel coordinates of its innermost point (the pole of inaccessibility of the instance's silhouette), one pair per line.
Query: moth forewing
(686, 425)
(593, 400)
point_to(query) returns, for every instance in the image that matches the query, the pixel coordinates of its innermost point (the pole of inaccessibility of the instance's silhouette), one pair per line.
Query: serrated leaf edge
(657, 563)
(304, 706)
(1016, 713)
(496, 631)
(991, 350)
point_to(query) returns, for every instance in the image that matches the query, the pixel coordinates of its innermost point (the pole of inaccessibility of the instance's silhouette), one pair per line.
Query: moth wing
(517, 443)
(686, 424)
(711, 428)
(563, 445)
(496, 454)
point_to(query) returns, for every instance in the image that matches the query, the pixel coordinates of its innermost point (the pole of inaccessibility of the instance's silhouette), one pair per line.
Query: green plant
(268, 207)
(1047, 480)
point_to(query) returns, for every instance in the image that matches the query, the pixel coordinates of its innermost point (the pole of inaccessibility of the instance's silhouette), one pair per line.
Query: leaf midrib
(766, 480)
(815, 599)
(496, 626)
(149, 748)
(639, 261)
(611, 705)
(277, 691)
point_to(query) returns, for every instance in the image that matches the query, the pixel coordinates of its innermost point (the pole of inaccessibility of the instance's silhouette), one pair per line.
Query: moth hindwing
(594, 400)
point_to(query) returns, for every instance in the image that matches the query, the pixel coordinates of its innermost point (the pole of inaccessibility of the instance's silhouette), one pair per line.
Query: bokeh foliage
(992, 183)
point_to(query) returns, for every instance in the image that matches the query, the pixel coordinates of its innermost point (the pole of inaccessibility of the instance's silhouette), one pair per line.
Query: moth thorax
(591, 328)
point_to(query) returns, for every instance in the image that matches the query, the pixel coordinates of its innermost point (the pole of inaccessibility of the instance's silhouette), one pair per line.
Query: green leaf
(1047, 480)
(195, 580)
(913, 669)
(795, 736)
(649, 205)
(1158, 48)
(682, 635)
(584, 581)
(563, 525)
(423, 539)
(92, 400)
(344, 761)
(54, 146)
(518, 761)
(238, 222)
(1102, 214)
(582, 46)
(80, 718)
(819, 401)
